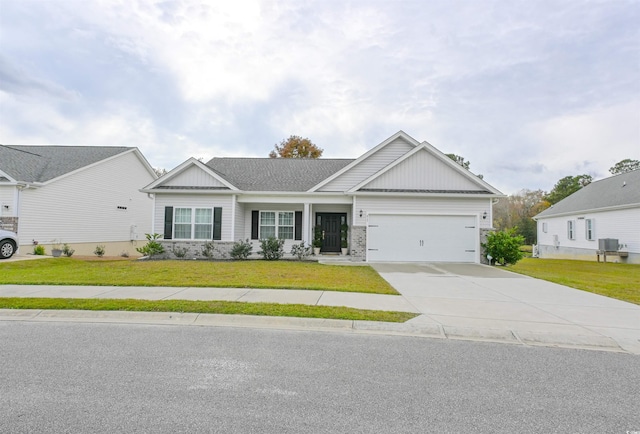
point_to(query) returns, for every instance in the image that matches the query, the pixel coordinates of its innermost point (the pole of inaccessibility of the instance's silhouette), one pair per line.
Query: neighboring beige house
(402, 201)
(80, 195)
(605, 209)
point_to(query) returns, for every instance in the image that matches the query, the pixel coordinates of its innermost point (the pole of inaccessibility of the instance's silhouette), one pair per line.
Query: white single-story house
(605, 209)
(80, 195)
(401, 201)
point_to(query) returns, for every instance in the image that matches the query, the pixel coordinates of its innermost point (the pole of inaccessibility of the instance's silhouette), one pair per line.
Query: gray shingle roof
(619, 190)
(276, 174)
(29, 163)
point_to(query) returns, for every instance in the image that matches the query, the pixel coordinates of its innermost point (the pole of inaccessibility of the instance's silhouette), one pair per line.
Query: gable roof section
(361, 161)
(619, 191)
(276, 174)
(39, 164)
(191, 175)
(425, 170)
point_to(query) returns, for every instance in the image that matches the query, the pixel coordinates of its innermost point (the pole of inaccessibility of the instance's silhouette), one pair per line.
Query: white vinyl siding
(623, 225)
(374, 163)
(7, 201)
(82, 207)
(423, 171)
(589, 229)
(194, 201)
(277, 224)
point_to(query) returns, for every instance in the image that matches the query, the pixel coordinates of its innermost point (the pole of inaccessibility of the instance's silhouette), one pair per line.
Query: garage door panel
(422, 238)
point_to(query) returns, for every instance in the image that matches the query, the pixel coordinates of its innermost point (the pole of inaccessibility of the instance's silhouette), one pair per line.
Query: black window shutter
(255, 221)
(298, 225)
(217, 223)
(168, 222)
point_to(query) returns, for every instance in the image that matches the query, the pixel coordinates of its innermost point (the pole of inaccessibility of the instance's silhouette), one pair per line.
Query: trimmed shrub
(241, 249)
(272, 248)
(38, 250)
(67, 251)
(300, 251)
(503, 247)
(99, 251)
(208, 250)
(179, 252)
(153, 246)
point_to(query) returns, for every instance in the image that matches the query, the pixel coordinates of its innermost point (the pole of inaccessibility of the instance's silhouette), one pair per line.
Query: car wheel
(7, 248)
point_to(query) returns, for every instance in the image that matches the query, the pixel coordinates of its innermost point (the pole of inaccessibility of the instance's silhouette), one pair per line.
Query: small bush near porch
(245, 274)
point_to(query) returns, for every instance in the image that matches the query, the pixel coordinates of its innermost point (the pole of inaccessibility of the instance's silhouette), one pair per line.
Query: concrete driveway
(473, 299)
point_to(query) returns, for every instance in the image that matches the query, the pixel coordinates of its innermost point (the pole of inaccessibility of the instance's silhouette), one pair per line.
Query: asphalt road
(84, 378)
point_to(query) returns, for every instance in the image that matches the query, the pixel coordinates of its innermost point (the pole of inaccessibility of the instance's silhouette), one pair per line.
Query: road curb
(435, 331)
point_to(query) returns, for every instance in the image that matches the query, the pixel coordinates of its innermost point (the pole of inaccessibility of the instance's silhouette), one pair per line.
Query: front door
(330, 224)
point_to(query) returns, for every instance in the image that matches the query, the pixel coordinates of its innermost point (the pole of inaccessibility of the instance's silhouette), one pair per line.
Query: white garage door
(420, 238)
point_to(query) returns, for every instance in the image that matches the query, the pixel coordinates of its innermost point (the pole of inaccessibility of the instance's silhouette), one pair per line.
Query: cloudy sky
(527, 91)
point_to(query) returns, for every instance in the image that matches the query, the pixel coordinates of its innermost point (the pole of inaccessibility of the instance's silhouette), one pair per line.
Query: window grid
(589, 229)
(193, 223)
(571, 230)
(284, 229)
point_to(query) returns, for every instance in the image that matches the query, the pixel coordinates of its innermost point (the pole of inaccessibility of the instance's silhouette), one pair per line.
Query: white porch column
(306, 224)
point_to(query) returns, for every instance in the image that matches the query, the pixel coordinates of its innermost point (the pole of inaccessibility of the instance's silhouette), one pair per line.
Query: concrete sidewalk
(282, 296)
(456, 301)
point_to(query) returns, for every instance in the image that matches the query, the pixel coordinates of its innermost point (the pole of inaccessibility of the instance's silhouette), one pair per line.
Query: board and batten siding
(623, 225)
(194, 201)
(97, 204)
(193, 177)
(423, 171)
(372, 164)
(425, 206)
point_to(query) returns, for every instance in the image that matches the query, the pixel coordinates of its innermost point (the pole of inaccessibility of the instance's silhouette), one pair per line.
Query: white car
(8, 244)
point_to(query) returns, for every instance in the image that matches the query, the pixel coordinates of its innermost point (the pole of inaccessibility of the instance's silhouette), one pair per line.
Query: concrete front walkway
(471, 298)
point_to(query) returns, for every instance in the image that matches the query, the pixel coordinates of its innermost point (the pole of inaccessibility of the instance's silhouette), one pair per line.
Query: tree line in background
(514, 213)
(517, 210)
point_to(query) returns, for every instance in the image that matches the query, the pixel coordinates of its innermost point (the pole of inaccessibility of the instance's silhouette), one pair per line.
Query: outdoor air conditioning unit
(608, 244)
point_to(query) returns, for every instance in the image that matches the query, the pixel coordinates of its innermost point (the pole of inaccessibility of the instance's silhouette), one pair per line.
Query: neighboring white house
(80, 195)
(608, 208)
(402, 201)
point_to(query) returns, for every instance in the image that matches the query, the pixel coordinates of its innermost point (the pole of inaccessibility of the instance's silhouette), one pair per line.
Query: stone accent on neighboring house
(9, 224)
(358, 243)
(194, 249)
(483, 239)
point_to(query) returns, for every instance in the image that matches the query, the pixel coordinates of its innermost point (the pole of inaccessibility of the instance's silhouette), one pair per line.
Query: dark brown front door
(330, 224)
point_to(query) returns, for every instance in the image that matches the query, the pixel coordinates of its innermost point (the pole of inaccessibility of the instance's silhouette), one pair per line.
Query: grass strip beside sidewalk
(217, 307)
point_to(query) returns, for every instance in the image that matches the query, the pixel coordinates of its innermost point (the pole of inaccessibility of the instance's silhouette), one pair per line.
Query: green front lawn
(232, 274)
(219, 307)
(621, 281)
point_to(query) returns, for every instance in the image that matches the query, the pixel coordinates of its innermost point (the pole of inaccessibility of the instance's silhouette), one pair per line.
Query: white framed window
(193, 223)
(544, 227)
(571, 229)
(277, 224)
(590, 229)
